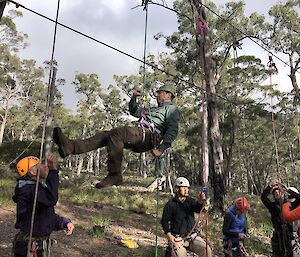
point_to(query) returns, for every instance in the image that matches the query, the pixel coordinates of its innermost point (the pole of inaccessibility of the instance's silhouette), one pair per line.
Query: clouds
(111, 21)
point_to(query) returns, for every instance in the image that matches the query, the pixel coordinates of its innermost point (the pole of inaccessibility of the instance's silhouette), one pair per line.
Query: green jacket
(165, 118)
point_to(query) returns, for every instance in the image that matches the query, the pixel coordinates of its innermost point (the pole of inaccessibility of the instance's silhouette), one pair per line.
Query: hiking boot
(110, 180)
(65, 146)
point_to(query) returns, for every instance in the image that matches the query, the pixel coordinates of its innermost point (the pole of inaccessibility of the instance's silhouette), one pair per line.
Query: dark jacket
(178, 218)
(45, 220)
(274, 209)
(165, 118)
(234, 224)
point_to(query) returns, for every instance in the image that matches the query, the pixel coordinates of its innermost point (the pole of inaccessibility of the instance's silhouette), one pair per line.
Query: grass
(129, 198)
(7, 190)
(148, 251)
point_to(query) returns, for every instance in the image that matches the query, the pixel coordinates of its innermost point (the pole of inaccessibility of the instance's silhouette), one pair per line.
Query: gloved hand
(201, 197)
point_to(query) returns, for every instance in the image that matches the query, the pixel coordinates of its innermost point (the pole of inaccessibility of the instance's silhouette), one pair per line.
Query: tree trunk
(214, 130)
(205, 149)
(97, 163)
(49, 114)
(293, 78)
(79, 166)
(143, 165)
(216, 169)
(4, 120)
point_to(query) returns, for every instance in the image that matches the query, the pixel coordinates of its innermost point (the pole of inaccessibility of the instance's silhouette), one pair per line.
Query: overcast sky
(113, 22)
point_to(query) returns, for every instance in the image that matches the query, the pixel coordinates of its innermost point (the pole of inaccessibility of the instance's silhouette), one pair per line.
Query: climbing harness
(232, 251)
(202, 217)
(41, 243)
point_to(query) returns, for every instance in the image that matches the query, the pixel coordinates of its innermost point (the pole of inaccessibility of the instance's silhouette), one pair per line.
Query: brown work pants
(197, 245)
(137, 139)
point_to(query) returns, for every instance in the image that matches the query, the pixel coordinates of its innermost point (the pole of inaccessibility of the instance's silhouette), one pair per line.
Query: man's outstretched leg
(118, 139)
(115, 147)
(65, 146)
(68, 147)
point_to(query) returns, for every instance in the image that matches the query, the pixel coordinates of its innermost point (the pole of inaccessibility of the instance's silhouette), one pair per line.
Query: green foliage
(7, 187)
(9, 151)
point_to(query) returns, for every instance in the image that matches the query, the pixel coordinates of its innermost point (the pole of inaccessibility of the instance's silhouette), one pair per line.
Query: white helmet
(182, 182)
(294, 189)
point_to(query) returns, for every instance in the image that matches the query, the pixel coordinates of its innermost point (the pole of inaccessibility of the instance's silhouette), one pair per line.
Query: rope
(43, 136)
(14, 160)
(262, 45)
(146, 101)
(158, 173)
(273, 69)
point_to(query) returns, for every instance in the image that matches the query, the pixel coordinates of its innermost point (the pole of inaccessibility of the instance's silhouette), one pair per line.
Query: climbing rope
(158, 166)
(146, 101)
(272, 69)
(43, 134)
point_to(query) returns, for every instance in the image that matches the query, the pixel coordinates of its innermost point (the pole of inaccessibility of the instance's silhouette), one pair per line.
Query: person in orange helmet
(46, 220)
(235, 228)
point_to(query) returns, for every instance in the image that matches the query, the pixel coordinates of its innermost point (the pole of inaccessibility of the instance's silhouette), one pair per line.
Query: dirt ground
(81, 243)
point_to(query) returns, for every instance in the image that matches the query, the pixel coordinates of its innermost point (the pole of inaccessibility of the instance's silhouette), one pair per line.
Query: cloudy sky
(113, 22)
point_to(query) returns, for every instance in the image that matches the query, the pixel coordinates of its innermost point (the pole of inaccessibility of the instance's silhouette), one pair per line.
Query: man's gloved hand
(52, 162)
(171, 238)
(201, 197)
(70, 228)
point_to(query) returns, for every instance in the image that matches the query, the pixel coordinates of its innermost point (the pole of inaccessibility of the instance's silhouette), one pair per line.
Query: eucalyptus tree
(227, 25)
(284, 37)
(14, 72)
(29, 100)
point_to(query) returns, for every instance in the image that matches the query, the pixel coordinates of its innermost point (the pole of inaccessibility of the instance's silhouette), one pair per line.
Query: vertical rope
(157, 159)
(43, 135)
(157, 167)
(273, 69)
(145, 45)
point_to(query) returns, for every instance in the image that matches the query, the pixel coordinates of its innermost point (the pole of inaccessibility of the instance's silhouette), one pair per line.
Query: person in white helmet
(291, 209)
(178, 222)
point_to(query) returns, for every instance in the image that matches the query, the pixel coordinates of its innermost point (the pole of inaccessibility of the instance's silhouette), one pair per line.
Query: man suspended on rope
(156, 130)
(179, 225)
(283, 231)
(46, 220)
(235, 228)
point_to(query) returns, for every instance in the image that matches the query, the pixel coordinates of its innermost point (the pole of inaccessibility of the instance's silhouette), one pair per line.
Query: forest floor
(110, 209)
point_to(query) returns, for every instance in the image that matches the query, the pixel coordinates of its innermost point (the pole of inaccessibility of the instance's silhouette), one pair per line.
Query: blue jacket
(45, 220)
(234, 224)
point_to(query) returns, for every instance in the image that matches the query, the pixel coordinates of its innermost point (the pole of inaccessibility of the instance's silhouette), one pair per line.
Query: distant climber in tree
(156, 130)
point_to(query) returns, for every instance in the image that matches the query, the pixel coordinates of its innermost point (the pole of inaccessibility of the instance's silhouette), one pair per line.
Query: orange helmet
(241, 204)
(25, 164)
